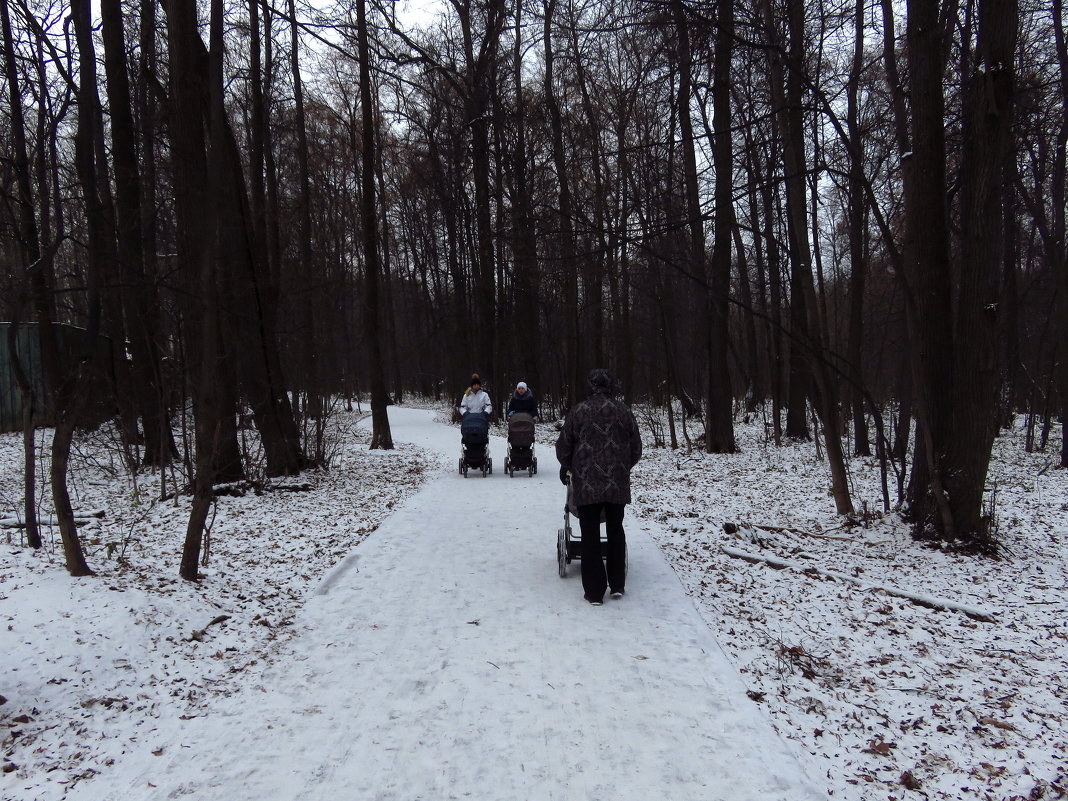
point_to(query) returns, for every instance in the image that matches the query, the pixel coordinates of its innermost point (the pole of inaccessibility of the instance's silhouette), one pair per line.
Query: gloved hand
(563, 475)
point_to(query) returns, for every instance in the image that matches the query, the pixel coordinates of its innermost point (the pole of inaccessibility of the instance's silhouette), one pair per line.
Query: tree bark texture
(719, 425)
(381, 437)
(977, 368)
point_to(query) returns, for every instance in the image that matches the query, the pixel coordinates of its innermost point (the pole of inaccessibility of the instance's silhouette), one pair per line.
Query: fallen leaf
(879, 747)
(1000, 724)
(909, 780)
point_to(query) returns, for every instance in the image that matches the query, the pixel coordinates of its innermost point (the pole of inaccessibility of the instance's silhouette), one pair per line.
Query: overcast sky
(418, 12)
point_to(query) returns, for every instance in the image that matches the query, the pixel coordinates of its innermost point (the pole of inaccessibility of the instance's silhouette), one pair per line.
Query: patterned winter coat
(599, 444)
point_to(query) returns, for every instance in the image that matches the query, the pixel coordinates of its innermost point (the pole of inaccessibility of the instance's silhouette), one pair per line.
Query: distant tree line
(847, 217)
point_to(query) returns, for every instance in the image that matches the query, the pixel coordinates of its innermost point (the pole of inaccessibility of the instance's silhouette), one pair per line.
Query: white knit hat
(521, 385)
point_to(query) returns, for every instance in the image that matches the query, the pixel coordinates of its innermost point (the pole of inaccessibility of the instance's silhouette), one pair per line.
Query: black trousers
(594, 579)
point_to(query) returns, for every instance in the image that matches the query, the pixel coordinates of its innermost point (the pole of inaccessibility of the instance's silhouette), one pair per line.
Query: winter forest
(825, 236)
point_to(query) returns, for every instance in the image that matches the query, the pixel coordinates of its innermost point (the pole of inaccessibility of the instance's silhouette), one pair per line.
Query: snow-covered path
(444, 659)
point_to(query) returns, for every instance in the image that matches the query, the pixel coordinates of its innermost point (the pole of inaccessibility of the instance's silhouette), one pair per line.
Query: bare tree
(381, 437)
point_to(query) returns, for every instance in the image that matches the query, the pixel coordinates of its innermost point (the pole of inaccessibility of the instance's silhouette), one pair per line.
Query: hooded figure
(599, 444)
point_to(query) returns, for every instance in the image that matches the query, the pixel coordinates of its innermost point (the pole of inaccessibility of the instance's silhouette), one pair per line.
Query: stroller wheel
(535, 467)
(561, 553)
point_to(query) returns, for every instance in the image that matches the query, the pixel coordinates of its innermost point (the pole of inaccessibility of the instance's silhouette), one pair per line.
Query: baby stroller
(520, 445)
(569, 541)
(474, 444)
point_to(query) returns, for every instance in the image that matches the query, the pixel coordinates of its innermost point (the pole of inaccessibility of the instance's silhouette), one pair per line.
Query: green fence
(96, 387)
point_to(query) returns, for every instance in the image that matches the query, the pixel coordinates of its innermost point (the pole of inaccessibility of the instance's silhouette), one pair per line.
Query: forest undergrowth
(882, 698)
(109, 654)
(888, 699)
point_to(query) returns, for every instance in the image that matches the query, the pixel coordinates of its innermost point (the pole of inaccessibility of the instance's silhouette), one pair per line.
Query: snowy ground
(891, 700)
(443, 657)
(90, 666)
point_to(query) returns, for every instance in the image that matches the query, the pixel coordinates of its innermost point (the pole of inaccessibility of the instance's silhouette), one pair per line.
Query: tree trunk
(1060, 245)
(30, 255)
(857, 236)
(719, 427)
(480, 69)
(139, 313)
(64, 388)
(806, 327)
(929, 309)
(977, 350)
(526, 271)
(775, 338)
(381, 437)
(568, 261)
(272, 215)
(305, 256)
(194, 205)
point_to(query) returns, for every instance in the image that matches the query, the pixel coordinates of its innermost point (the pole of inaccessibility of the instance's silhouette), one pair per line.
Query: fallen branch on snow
(732, 528)
(929, 601)
(198, 635)
(15, 522)
(241, 488)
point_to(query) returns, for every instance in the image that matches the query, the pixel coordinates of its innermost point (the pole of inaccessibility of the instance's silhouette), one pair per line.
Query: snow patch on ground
(889, 699)
(883, 698)
(88, 665)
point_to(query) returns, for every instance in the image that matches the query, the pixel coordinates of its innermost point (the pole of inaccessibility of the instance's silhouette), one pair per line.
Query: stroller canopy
(521, 430)
(474, 429)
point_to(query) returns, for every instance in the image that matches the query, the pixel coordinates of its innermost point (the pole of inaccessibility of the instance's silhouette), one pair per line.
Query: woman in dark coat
(599, 444)
(522, 401)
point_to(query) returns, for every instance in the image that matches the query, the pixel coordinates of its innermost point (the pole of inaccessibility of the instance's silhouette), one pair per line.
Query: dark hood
(600, 382)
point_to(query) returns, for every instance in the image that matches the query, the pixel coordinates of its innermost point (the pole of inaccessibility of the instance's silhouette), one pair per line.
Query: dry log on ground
(974, 612)
(15, 522)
